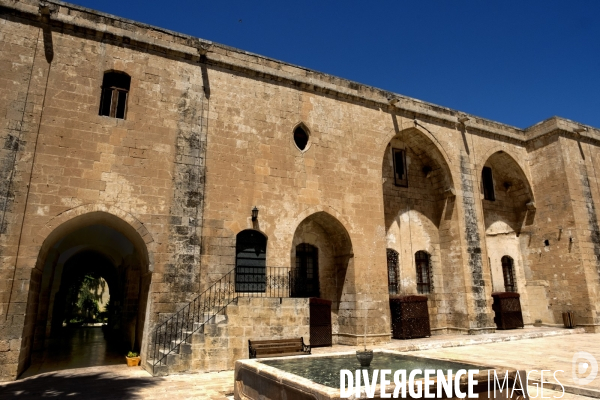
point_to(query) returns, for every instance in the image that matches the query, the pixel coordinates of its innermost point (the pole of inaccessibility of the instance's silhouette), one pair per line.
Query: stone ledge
(486, 339)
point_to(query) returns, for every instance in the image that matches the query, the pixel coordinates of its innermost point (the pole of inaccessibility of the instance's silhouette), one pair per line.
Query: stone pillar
(477, 277)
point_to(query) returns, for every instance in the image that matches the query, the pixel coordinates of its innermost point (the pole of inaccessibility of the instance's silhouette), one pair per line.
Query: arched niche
(332, 246)
(429, 187)
(513, 197)
(420, 215)
(511, 210)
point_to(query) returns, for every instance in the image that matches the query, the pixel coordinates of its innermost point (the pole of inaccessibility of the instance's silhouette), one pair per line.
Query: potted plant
(133, 359)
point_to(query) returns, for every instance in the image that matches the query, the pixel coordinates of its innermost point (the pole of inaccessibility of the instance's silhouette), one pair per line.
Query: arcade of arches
(422, 228)
(201, 159)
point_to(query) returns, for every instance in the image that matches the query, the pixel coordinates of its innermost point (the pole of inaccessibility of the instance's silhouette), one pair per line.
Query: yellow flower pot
(133, 361)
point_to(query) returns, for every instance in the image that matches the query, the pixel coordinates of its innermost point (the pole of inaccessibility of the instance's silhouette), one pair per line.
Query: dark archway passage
(92, 297)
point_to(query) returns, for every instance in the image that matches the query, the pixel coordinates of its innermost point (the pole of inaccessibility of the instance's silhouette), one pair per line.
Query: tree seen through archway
(88, 301)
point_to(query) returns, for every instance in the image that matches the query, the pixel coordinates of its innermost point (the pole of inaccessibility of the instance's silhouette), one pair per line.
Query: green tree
(83, 298)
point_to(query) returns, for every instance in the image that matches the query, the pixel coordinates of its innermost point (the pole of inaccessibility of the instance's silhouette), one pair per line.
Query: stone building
(138, 154)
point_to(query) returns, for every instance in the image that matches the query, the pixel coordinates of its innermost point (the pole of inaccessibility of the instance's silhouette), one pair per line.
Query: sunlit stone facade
(157, 177)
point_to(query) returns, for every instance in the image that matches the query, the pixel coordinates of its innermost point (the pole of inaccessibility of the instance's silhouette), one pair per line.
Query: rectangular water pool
(326, 370)
(317, 377)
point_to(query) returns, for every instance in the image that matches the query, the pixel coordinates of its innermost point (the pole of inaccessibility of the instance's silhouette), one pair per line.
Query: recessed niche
(301, 137)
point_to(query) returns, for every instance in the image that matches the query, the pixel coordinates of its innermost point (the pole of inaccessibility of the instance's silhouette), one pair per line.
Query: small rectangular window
(400, 172)
(424, 278)
(115, 90)
(488, 184)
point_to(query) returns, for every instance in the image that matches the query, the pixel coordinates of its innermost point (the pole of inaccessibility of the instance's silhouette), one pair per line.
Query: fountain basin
(364, 357)
(317, 377)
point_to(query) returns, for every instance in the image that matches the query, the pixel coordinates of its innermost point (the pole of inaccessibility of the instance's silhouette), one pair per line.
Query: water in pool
(326, 370)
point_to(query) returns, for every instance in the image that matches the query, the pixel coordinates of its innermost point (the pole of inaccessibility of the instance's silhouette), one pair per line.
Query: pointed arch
(90, 214)
(301, 143)
(427, 145)
(96, 239)
(509, 158)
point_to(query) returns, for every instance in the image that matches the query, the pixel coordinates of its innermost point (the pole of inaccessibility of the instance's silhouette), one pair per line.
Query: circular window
(300, 138)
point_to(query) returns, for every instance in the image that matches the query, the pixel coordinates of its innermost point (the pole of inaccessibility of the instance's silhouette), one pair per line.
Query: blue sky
(516, 62)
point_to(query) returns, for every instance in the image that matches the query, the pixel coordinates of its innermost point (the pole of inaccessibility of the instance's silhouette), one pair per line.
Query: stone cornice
(102, 26)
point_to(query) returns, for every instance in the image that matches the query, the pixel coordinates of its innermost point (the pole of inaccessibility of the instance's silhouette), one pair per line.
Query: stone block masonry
(208, 133)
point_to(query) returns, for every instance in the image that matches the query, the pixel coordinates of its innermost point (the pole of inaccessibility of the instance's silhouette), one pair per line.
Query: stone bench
(277, 348)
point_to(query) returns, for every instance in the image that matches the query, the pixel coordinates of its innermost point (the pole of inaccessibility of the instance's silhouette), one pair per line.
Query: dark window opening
(115, 90)
(305, 277)
(392, 264)
(508, 271)
(400, 172)
(424, 278)
(300, 138)
(250, 261)
(488, 184)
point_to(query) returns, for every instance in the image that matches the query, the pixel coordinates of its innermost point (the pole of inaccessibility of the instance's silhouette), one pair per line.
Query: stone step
(158, 370)
(212, 319)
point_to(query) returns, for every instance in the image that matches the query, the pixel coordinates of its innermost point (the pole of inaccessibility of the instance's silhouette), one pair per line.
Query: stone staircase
(218, 340)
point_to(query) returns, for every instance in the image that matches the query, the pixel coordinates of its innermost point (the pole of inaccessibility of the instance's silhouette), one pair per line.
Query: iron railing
(261, 282)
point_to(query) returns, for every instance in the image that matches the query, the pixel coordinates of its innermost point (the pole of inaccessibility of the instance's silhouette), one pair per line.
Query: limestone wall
(65, 160)
(220, 345)
(208, 135)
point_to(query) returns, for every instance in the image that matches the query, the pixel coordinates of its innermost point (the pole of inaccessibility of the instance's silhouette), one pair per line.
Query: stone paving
(75, 348)
(546, 351)
(118, 382)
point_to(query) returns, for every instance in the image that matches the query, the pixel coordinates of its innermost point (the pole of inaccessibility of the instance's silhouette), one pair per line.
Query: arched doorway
(250, 262)
(93, 294)
(305, 277)
(321, 254)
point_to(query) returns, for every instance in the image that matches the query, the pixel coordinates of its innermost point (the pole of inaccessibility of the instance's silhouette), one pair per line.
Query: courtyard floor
(533, 348)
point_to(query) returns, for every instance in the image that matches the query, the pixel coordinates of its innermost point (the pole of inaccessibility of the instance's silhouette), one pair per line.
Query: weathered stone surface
(208, 135)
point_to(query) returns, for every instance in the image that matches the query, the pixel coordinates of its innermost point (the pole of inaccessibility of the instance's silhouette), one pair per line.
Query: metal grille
(320, 322)
(305, 277)
(508, 271)
(250, 261)
(410, 317)
(507, 310)
(392, 264)
(178, 328)
(424, 278)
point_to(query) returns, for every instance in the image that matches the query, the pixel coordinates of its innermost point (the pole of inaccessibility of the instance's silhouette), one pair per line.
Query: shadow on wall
(88, 386)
